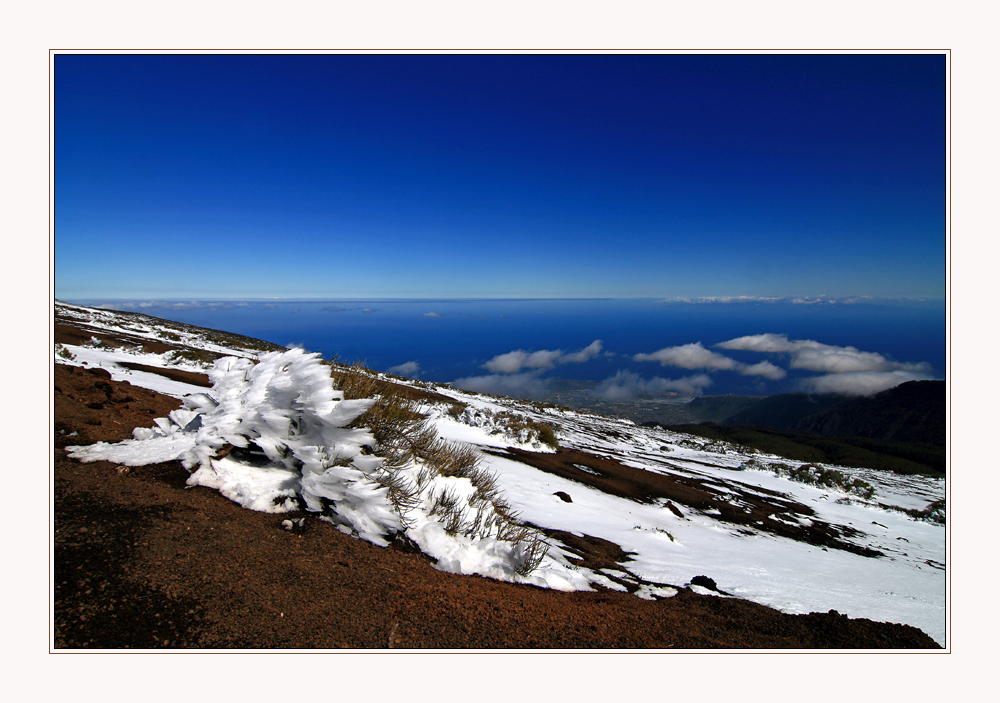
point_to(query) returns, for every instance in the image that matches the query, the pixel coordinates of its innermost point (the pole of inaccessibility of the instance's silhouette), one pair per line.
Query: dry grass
(403, 435)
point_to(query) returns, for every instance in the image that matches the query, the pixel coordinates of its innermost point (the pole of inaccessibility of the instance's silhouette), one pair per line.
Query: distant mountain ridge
(913, 412)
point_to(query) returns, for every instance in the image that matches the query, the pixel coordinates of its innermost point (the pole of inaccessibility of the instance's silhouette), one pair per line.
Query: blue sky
(499, 176)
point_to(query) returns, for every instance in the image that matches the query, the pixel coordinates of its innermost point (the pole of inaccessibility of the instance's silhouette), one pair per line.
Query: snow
(111, 360)
(295, 451)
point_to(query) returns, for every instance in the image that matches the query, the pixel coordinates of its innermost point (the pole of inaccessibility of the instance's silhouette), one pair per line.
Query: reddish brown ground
(141, 561)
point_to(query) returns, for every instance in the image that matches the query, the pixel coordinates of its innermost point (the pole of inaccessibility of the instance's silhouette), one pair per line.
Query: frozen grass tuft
(405, 439)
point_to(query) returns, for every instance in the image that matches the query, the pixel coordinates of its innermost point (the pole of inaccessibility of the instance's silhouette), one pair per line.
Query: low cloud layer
(409, 369)
(514, 361)
(847, 369)
(518, 373)
(626, 385)
(695, 356)
(859, 382)
(816, 356)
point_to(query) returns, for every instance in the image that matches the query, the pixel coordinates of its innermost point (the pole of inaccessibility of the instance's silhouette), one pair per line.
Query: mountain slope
(913, 412)
(650, 512)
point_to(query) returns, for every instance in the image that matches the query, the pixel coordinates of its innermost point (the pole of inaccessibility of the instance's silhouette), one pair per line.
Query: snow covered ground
(757, 533)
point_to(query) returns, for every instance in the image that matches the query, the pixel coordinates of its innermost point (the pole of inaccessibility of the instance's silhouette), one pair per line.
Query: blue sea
(453, 339)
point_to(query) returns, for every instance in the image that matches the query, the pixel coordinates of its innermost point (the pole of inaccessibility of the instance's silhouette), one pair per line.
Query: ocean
(451, 340)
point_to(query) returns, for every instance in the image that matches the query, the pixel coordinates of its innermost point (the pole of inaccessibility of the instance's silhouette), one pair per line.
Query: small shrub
(547, 435)
(827, 478)
(528, 430)
(193, 356)
(403, 435)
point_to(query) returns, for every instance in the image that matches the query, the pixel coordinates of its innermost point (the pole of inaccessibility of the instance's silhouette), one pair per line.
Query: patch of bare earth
(757, 508)
(142, 561)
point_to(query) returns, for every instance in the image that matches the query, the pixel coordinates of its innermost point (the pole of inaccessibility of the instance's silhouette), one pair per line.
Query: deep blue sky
(499, 176)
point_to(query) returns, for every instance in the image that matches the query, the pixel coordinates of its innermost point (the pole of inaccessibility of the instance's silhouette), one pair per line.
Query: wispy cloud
(696, 356)
(763, 368)
(793, 299)
(859, 382)
(433, 314)
(409, 369)
(514, 361)
(626, 385)
(585, 354)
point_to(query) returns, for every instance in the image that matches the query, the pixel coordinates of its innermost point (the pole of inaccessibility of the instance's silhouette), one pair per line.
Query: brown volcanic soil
(141, 561)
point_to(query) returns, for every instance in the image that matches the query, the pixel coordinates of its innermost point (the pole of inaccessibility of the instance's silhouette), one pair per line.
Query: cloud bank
(816, 356)
(518, 373)
(847, 370)
(695, 356)
(514, 361)
(859, 382)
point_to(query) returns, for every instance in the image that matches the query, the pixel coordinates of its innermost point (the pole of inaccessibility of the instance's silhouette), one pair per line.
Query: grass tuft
(403, 435)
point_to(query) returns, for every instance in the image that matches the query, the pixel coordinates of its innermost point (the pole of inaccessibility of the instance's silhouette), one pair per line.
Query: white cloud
(695, 356)
(765, 369)
(514, 361)
(519, 385)
(585, 354)
(409, 369)
(848, 360)
(760, 343)
(690, 356)
(433, 314)
(816, 356)
(860, 382)
(626, 385)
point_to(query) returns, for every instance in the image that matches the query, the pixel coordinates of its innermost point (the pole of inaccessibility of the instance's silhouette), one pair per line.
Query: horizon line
(672, 299)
